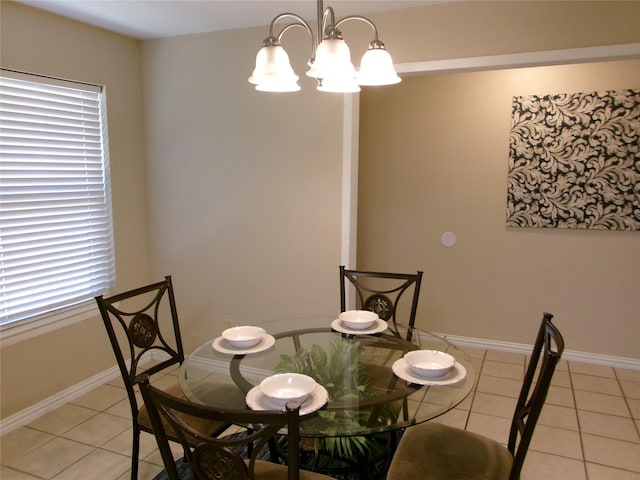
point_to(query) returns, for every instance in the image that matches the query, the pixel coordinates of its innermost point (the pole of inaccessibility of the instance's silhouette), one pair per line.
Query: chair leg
(274, 453)
(135, 452)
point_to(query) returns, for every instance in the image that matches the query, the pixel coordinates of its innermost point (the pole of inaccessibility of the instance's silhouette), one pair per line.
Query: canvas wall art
(574, 161)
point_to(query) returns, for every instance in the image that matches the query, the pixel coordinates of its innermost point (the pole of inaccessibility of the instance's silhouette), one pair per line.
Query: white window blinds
(56, 233)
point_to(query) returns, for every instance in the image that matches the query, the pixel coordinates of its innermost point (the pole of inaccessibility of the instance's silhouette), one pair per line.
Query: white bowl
(429, 363)
(282, 387)
(358, 319)
(243, 336)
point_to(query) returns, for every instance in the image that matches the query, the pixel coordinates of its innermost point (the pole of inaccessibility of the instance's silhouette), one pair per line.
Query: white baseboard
(568, 355)
(47, 405)
(30, 414)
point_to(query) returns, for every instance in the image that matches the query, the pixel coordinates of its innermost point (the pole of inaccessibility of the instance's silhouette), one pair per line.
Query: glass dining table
(364, 385)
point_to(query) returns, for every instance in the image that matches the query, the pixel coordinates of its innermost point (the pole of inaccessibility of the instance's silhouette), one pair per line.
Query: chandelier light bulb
(338, 85)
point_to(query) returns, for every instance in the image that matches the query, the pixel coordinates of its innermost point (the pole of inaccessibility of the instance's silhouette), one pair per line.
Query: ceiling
(147, 19)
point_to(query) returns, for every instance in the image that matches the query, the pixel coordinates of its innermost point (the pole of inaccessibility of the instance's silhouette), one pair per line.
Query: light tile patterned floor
(589, 428)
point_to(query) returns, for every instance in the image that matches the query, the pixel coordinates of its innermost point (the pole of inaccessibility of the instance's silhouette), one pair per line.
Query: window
(56, 231)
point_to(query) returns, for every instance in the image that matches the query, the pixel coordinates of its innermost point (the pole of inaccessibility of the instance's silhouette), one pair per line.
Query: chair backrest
(381, 292)
(210, 457)
(546, 353)
(135, 321)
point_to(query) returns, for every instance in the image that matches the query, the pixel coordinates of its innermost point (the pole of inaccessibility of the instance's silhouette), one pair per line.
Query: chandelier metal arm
(292, 25)
(323, 13)
(300, 22)
(362, 19)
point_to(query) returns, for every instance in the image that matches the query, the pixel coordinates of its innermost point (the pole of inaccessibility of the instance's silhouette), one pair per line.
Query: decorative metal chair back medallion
(213, 462)
(380, 304)
(142, 330)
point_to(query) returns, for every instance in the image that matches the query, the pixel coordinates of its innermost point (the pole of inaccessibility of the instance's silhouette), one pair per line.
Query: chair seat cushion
(434, 451)
(209, 427)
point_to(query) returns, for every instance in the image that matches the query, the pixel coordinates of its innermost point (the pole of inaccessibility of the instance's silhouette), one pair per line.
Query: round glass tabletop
(366, 386)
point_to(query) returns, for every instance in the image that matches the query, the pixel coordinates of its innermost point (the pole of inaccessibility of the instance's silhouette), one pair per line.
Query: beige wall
(477, 28)
(434, 158)
(252, 181)
(449, 176)
(243, 188)
(34, 41)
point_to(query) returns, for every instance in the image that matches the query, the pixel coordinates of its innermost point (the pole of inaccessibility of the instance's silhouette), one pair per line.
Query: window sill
(31, 328)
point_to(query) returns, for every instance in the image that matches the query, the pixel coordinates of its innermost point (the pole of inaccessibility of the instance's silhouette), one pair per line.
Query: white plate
(379, 326)
(455, 375)
(222, 346)
(257, 401)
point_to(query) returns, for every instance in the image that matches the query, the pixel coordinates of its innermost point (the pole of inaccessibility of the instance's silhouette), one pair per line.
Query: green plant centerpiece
(346, 380)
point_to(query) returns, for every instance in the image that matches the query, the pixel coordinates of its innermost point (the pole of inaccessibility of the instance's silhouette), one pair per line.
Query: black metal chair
(435, 451)
(382, 292)
(209, 458)
(135, 321)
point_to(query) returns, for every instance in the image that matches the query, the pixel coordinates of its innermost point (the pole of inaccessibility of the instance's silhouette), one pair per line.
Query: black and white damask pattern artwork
(574, 161)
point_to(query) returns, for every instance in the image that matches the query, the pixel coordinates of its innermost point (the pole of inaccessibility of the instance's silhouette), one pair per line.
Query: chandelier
(330, 62)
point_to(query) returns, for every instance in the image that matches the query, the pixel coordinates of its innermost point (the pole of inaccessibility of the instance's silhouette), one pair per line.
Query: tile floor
(589, 429)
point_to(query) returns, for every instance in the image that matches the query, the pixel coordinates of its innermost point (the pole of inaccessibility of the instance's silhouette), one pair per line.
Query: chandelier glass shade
(376, 68)
(330, 63)
(273, 72)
